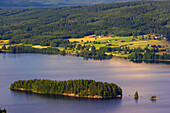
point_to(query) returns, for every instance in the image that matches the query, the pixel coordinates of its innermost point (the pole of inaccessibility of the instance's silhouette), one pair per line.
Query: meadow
(105, 41)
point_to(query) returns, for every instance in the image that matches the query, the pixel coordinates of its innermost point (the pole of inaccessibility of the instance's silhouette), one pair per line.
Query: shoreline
(114, 56)
(67, 94)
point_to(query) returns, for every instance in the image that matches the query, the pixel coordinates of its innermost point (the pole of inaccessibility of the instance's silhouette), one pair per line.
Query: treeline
(121, 19)
(29, 49)
(138, 54)
(3, 111)
(87, 52)
(80, 88)
(147, 54)
(90, 51)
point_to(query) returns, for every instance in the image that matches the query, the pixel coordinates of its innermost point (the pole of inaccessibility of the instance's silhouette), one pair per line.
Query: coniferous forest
(42, 25)
(77, 88)
(14, 4)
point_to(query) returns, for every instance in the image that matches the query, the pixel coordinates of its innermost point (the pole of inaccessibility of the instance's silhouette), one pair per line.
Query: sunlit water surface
(147, 79)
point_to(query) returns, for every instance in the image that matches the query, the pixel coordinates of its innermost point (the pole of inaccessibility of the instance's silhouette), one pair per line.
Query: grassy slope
(128, 42)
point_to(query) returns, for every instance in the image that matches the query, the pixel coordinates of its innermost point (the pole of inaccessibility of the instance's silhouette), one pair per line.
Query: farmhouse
(168, 50)
(122, 41)
(139, 37)
(155, 46)
(109, 41)
(91, 36)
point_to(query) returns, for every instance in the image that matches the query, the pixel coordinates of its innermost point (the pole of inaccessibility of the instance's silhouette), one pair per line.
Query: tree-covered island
(74, 88)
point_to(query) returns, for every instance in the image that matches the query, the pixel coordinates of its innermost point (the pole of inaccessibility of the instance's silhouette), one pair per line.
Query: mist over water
(147, 79)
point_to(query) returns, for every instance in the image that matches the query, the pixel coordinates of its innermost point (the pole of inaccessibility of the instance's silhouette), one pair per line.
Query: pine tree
(136, 96)
(4, 47)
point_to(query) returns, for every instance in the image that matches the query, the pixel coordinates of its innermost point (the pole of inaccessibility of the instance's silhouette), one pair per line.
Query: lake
(147, 79)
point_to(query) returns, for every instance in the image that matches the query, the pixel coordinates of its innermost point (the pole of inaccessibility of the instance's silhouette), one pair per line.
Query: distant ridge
(16, 4)
(119, 19)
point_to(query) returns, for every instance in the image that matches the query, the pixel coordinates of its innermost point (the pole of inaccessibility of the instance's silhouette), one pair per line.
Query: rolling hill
(120, 19)
(15, 4)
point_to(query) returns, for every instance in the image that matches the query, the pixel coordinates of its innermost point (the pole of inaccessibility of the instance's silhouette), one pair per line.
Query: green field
(128, 42)
(114, 42)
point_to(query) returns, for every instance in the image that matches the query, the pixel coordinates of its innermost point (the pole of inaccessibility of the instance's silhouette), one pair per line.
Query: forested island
(75, 88)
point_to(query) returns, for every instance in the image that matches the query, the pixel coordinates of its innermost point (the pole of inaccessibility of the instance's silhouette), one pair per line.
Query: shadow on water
(153, 101)
(152, 62)
(136, 101)
(58, 102)
(14, 56)
(54, 96)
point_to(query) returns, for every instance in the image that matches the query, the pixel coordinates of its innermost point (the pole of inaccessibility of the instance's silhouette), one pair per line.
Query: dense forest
(77, 88)
(16, 4)
(139, 54)
(38, 25)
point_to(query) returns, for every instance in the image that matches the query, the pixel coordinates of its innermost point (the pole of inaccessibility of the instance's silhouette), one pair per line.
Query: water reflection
(152, 62)
(136, 100)
(95, 59)
(63, 104)
(29, 94)
(154, 101)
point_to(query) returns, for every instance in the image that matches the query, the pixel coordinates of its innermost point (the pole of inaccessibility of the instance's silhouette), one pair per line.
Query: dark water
(147, 79)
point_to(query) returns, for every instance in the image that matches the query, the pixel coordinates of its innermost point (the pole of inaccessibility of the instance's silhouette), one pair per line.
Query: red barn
(122, 40)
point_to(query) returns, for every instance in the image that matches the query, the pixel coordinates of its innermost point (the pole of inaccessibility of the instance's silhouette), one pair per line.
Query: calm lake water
(147, 79)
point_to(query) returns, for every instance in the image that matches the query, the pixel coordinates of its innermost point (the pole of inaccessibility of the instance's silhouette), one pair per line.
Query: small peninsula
(74, 88)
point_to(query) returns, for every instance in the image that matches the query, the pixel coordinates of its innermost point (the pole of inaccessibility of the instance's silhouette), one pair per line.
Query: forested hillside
(11, 4)
(61, 1)
(121, 19)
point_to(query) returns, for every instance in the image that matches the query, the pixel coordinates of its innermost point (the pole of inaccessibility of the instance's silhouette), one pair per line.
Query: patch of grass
(167, 26)
(13, 45)
(40, 47)
(87, 38)
(99, 45)
(128, 41)
(118, 54)
(60, 48)
(2, 42)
